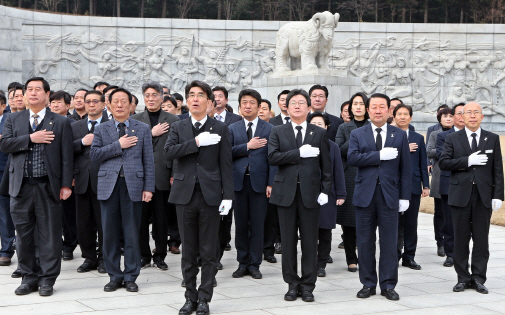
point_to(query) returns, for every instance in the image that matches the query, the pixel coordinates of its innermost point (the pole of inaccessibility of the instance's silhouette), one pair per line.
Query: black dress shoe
(112, 286)
(46, 290)
(240, 272)
(352, 269)
(278, 248)
(411, 263)
(291, 295)
(461, 286)
(144, 263)
(16, 274)
(183, 283)
(479, 287)
(341, 245)
(202, 308)
(25, 289)
(440, 251)
(449, 262)
(390, 294)
(160, 264)
(321, 272)
(214, 284)
(365, 292)
(307, 296)
(67, 256)
(87, 266)
(131, 286)
(188, 308)
(330, 260)
(227, 247)
(255, 273)
(101, 267)
(219, 265)
(271, 259)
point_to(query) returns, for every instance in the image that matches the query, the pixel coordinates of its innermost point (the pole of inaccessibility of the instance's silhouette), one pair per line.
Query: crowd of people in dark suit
(101, 176)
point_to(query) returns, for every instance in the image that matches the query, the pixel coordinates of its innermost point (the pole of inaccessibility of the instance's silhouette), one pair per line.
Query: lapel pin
(210, 128)
(392, 135)
(133, 130)
(485, 139)
(51, 123)
(311, 133)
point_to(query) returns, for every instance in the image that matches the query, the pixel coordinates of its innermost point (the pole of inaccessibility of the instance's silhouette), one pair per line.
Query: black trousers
(367, 219)
(349, 238)
(250, 212)
(121, 215)
(69, 223)
(438, 222)
(198, 226)
(173, 227)
(407, 229)
(271, 231)
(447, 229)
(37, 217)
(323, 247)
(471, 222)
(291, 219)
(89, 223)
(157, 208)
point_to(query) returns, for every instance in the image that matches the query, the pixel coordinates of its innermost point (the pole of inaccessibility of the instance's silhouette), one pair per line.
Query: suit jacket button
(197, 163)
(474, 168)
(194, 177)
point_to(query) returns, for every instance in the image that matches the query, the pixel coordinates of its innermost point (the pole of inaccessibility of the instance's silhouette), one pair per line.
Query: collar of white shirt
(41, 114)
(254, 123)
(98, 121)
(384, 128)
(284, 118)
(303, 124)
(469, 134)
(193, 120)
(222, 115)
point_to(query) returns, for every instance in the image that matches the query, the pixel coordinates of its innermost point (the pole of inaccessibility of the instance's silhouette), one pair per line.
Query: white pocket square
(489, 151)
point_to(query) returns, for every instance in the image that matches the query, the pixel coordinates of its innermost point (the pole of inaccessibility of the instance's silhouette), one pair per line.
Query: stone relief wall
(424, 64)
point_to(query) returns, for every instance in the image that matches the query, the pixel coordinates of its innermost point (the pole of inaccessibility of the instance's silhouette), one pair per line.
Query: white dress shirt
(109, 114)
(470, 138)
(203, 121)
(304, 129)
(254, 125)
(41, 114)
(383, 133)
(221, 117)
(98, 121)
(1, 118)
(284, 118)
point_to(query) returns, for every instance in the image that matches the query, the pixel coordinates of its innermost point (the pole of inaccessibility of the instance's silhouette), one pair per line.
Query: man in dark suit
(407, 221)
(79, 106)
(89, 217)
(41, 168)
(319, 98)
(253, 180)
(283, 117)
(159, 121)
(124, 149)
(473, 156)
(393, 103)
(302, 184)
(202, 190)
(447, 229)
(7, 232)
(383, 188)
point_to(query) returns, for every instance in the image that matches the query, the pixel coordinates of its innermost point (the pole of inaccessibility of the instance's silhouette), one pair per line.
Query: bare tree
(164, 9)
(77, 5)
(118, 10)
(359, 6)
(185, 7)
(51, 5)
(425, 11)
(141, 9)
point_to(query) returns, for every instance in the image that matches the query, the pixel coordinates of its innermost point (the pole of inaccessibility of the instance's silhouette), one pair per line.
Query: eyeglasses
(199, 95)
(154, 95)
(472, 113)
(458, 113)
(92, 101)
(318, 96)
(301, 103)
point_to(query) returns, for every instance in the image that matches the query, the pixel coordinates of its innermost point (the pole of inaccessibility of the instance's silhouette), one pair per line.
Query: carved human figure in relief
(363, 63)
(186, 65)
(308, 41)
(245, 79)
(457, 95)
(339, 62)
(267, 63)
(156, 62)
(401, 80)
(482, 83)
(105, 64)
(232, 77)
(214, 69)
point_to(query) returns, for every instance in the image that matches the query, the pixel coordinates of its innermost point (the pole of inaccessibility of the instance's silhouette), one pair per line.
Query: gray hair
(152, 85)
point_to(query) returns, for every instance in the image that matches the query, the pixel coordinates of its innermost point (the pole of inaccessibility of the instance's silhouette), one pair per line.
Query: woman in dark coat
(337, 196)
(346, 212)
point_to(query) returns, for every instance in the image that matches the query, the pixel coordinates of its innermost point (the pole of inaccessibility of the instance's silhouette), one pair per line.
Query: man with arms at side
(159, 121)
(253, 180)
(407, 221)
(79, 107)
(473, 156)
(221, 97)
(202, 190)
(124, 149)
(41, 168)
(445, 177)
(319, 98)
(89, 215)
(302, 184)
(383, 188)
(283, 117)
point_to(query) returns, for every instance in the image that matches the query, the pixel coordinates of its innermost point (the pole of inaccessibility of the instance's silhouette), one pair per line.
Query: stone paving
(421, 292)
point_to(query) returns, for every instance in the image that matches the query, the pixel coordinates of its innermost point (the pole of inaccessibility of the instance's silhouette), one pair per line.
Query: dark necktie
(122, 131)
(474, 142)
(249, 131)
(378, 140)
(198, 125)
(299, 140)
(286, 119)
(93, 123)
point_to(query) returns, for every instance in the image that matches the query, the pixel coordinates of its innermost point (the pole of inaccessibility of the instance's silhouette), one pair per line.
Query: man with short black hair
(80, 109)
(133, 107)
(221, 97)
(107, 92)
(100, 86)
(264, 111)
(319, 98)
(17, 94)
(283, 117)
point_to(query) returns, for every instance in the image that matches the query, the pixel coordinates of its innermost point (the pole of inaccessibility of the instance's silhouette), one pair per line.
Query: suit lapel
(370, 138)
(390, 137)
(290, 134)
(84, 127)
(25, 127)
(188, 128)
(259, 128)
(145, 119)
(309, 134)
(111, 128)
(209, 127)
(243, 133)
(132, 130)
(483, 140)
(464, 141)
(226, 117)
(48, 121)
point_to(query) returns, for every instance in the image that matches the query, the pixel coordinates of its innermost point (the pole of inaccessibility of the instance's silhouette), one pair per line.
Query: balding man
(473, 156)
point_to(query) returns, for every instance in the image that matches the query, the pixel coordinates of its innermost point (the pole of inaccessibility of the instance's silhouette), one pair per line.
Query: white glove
(206, 138)
(403, 206)
(477, 159)
(388, 154)
(496, 204)
(322, 199)
(225, 207)
(306, 151)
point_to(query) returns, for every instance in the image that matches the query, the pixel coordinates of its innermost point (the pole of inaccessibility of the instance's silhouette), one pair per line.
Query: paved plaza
(428, 291)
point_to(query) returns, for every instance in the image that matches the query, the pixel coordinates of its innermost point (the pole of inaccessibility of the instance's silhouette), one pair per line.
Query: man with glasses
(473, 158)
(159, 121)
(302, 184)
(318, 99)
(202, 191)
